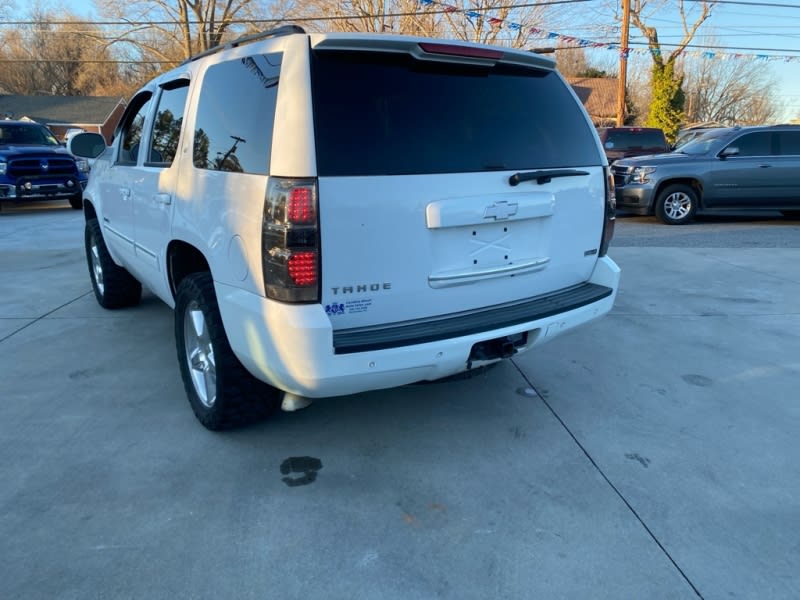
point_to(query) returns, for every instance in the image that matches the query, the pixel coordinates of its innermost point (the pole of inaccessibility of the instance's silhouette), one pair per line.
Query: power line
(750, 3)
(446, 10)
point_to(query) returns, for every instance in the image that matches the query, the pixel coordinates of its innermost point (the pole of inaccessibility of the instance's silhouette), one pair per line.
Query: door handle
(764, 166)
(163, 198)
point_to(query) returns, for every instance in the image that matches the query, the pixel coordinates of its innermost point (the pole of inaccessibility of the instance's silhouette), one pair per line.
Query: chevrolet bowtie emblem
(500, 210)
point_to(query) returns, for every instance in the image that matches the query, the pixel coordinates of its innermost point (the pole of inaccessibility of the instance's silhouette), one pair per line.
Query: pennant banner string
(497, 23)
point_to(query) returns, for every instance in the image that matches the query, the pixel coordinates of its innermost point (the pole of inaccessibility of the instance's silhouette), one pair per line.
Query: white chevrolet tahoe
(335, 213)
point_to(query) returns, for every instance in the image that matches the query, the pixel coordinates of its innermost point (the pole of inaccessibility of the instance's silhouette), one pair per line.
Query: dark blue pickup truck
(35, 166)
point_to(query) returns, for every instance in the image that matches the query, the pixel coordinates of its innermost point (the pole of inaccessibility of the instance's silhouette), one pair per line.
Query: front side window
(167, 124)
(389, 114)
(235, 115)
(754, 144)
(131, 128)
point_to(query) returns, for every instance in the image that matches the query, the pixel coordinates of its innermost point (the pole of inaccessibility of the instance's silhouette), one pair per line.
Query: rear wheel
(676, 204)
(222, 393)
(113, 286)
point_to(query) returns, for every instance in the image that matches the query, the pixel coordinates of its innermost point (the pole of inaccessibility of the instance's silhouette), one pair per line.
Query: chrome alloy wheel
(97, 267)
(677, 206)
(200, 355)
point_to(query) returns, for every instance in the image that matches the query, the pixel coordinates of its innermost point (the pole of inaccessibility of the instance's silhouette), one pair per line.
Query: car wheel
(676, 205)
(113, 286)
(791, 214)
(222, 393)
(76, 202)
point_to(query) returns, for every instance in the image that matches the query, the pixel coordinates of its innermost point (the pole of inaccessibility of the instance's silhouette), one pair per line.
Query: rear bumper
(292, 347)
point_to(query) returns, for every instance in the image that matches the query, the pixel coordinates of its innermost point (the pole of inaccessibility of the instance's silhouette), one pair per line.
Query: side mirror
(86, 145)
(729, 151)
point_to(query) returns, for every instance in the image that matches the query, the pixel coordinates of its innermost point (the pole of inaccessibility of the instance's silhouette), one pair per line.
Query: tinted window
(382, 114)
(131, 129)
(235, 115)
(630, 140)
(754, 144)
(168, 121)
(789, 142)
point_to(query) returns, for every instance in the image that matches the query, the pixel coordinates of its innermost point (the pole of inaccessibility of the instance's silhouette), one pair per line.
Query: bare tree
(56, 56)
(572, 62)
(485, 21)
(172, 30)
(729, 92)
(667, 103)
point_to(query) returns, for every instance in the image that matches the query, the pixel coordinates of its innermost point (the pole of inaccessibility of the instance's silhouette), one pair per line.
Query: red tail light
(303, 268)
(301, 207)
(290, 240)
(610, 215)
(456, 50)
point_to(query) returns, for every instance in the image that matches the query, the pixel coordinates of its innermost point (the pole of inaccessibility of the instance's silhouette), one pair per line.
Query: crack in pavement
(609, 482)
(45, 315)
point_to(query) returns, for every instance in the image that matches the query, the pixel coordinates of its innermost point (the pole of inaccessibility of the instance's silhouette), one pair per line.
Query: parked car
(319, 237)
(753, 168)
(35, 166)
(621, 142)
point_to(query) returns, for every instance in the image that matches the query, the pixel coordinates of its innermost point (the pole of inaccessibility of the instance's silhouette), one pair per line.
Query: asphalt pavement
(650, 455)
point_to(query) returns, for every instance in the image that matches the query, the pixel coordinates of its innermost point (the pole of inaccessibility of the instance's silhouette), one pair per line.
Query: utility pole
(623, 63)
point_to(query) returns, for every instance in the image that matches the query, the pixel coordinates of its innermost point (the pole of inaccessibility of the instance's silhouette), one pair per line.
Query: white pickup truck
(335, 213)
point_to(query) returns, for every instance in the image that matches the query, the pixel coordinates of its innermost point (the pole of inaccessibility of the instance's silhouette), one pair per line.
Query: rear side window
(387, 114)
(235, 115)
(789, 143)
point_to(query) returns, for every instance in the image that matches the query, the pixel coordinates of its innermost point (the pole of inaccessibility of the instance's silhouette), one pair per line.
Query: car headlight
(3, 166)
(82, 164)
(641, 174)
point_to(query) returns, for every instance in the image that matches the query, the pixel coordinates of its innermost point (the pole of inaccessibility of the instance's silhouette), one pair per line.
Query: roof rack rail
(246, 39)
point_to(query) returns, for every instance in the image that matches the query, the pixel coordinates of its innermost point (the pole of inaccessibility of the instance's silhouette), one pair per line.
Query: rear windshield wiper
(543, 176)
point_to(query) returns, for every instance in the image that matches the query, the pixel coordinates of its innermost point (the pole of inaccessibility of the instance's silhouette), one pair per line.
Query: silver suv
(335, 213)
(753, 168)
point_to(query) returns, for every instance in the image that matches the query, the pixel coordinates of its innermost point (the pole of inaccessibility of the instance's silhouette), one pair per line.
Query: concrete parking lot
(652, 454)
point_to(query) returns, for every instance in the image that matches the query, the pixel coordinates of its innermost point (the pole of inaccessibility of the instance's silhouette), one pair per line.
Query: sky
(740, 30)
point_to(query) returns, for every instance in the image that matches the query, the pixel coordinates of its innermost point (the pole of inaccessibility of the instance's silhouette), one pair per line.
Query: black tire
(222, 393)
(113, 286)
(76, 202)
(676, 204)
(791, 214)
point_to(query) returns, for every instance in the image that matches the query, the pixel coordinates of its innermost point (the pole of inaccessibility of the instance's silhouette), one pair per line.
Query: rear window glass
(386, 114)
(630, 140)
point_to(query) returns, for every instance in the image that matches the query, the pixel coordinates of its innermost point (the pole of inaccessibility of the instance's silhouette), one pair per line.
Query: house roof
(598, 94)
(90, 110)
